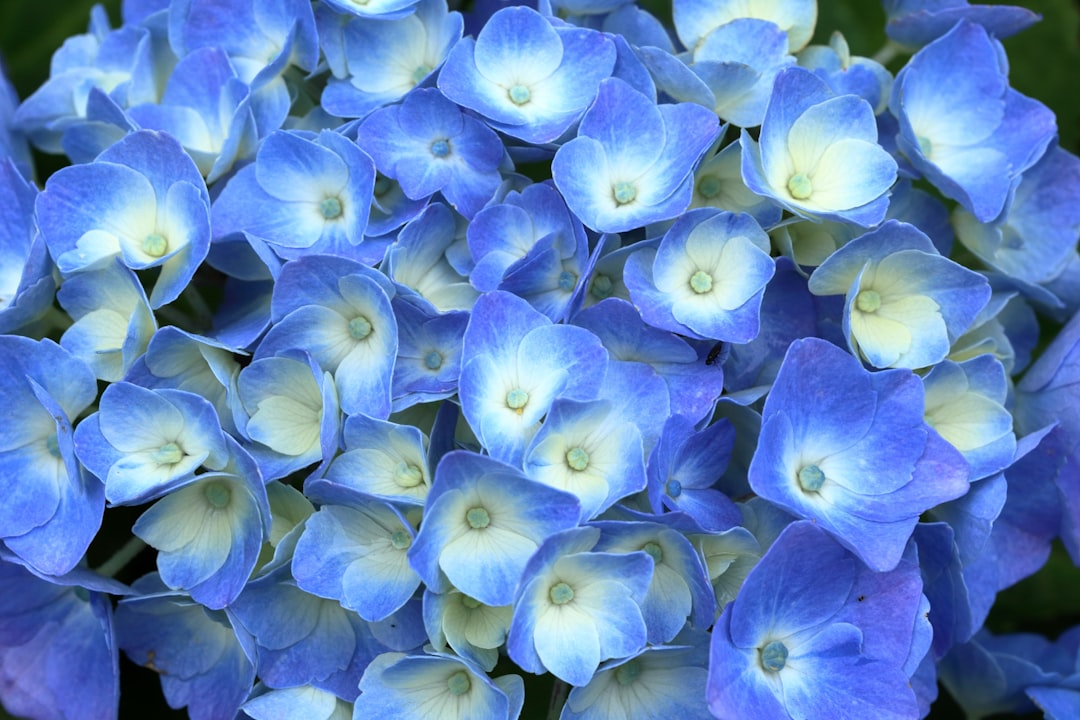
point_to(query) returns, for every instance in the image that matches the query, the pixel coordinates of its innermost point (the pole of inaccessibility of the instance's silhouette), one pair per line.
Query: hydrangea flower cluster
(421, 359)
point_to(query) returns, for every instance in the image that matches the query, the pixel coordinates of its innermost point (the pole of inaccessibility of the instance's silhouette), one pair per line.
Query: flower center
(654, 551)
(774, 656)
(519, 94)
(624, 192)
(602, 287)
(52, 444)
(359, 327)
(561, 593)
(674, 488)
(925, 146)
(709, 187)
(407, 475)
(577, 459)
(567, 281)
(459, 683)
(400, 540)
(516, 399)
(382, 185)
(799, 186)
(701, 282)
(868, 301)
(478, 518)
(470, 602)
(420, 73)
(217, 494)
(330, 208)
(433, 360)
(440, 148)
(168, 454)
(155, 245)
(811, 478)
(628, 674)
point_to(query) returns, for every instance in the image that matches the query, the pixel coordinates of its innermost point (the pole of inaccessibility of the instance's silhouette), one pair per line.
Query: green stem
(558, 698)
(122, 557)
(888, 52)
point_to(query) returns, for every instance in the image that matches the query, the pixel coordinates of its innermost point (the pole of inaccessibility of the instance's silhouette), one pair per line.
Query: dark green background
(1045, 64)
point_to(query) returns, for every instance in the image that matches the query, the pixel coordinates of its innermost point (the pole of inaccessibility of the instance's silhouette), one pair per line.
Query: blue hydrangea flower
(428, 145)
(472, 629)
(849, 449)
(528, 78)
(718, 183)
(482, 522)
(304, 701)
(695, 19)
(376, 62)
(818, 154)
(795, 644)
(849, 74)
(434, 687)
(632, 161)
(962, 126)
(706, 277)
(905, 304)
(418, 260)
(914, 23)
(27, 286)
(143, 200)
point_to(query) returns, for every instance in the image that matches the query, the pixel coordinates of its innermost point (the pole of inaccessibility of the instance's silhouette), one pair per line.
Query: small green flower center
(155, 245)
(561, 593)
(53, 445)
(400, 540)
(774, 656)
(799, 186)
(217, 494)
(168, 454)
(868, 301)
(330, 208)
(567, 281)
(477, 518)
(674, 488)
(624, 192)
(709, 187)
(421, 72)
(359, 327)
(82, 593)
(925, 145)
(577, 459)
(628, 674)
(459, 683)
(653, 550)
(811, 478)
(470, 602)
(433, 360)
(516, 399)
(519, 94)
(440, 148)
(407, 475)
(701, 282)
(601, 287)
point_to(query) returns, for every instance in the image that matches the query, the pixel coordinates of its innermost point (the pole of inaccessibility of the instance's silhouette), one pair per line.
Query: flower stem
(122, 557)
(888, 52)
(558, 698)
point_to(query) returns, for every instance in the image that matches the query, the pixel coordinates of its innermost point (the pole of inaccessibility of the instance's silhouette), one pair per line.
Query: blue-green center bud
(774, 656)
(519, 94)
(868, 301)
(53, 445)
(811, 478)
(577, 459)
(433, 360)
(477, 518)
(561, 593)
(654, 551)
(400, 540)
(459, 683)
(168, 454)
(217, 494)
(674, 488)
(440, 148)
(516, 399)
(407, 475)
(628, 674)
(470, 602)
(567, 281)
(709, 187)
(155, 245)
(330, 208)
(925, 145)
(359, 327)
(420, 73)
(601, 287)
(624, 192)
(701, 282)
(800, 186)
